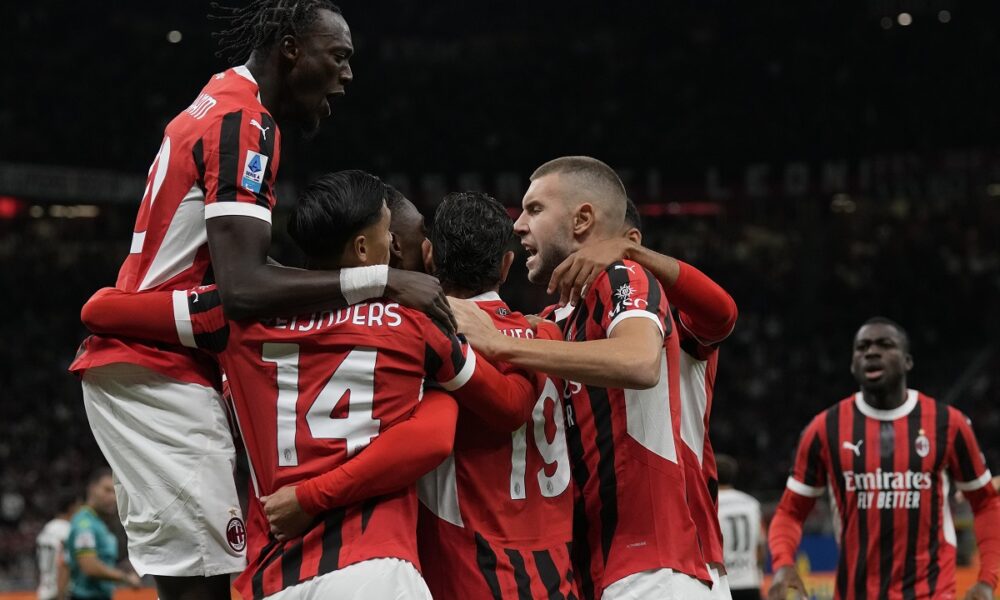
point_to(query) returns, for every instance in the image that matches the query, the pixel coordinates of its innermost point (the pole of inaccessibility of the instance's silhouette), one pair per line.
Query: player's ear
(505, 263)
(395, 250)
(361, 249)
(583, 219)
(428, 250)
(634, 235)
(288, 48)
(907, 362)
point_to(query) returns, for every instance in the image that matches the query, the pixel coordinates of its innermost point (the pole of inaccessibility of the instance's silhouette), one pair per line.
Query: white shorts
(720, 585)
(375, 579)
(661, 584)
(172, 453)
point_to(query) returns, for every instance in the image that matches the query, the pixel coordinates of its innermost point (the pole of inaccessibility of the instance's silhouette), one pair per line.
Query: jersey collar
(245, 73)
(486, 297)
(887, 415)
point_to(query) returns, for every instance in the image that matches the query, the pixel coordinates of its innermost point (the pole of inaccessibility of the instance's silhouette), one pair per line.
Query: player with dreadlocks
(205, 217)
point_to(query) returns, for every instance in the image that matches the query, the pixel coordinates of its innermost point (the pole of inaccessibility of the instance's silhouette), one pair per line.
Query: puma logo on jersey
(855, 448)
(629, 268)
(263, 130)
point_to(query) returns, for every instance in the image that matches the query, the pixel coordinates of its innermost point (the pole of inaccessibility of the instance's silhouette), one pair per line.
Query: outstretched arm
(251, 287)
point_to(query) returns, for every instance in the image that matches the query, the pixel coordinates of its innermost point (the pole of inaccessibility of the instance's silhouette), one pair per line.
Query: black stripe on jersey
(860, 565)
(569, 574)
(520, 574)
(813, 464)
(333, 540)
(367, 508)
(965, 466)
(267, 149)
(486, 559)
(940, 443)
(909, 584)
(291, 564)
(273, 552)
(618, 278)
(209, 277)
(887, 436)
(200, 302)
(432, 362)
(198, 155)
(654, 303)
(832, 417)
(548, 573)
(606, 476)
(229, 157)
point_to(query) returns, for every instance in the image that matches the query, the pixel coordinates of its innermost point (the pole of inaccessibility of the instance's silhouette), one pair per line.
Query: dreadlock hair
(261, 23)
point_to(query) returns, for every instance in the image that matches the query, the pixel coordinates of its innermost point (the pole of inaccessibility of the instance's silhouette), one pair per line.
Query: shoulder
(622, 272)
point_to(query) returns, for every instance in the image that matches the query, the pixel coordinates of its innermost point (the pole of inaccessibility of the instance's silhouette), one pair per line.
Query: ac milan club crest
(236, 534)
(922, 445)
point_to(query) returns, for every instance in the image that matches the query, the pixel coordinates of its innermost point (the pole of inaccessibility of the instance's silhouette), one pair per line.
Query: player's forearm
(987, 527)
(394, 459)
(272, 291)
(665, 268)
(148, 316)
(785, 531)
(503, 401)
(612, 362)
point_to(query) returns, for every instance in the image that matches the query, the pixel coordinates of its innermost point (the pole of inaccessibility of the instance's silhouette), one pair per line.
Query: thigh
(381, 578)
(662, 584)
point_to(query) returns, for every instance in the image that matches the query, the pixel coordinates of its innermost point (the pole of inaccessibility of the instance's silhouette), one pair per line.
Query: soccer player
(92, 550)
(889, 454)
(743, 533)
(205, 217)
(706, 315)
(633, 534)
(496, 517)
(49, 546)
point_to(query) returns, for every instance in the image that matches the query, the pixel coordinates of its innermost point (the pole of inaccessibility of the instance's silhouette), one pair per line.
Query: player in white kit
(52, 574)
(742, 533)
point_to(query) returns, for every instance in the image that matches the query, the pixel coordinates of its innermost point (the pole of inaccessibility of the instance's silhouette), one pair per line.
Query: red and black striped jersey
(698, 365)
(631, 511)
(496, 517)
(890, 473)
(309, 393)
(218, 157)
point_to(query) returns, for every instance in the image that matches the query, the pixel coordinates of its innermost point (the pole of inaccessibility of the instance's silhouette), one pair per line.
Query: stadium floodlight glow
(174, 36)
(944, 16)
(904, 19)
(886, 23)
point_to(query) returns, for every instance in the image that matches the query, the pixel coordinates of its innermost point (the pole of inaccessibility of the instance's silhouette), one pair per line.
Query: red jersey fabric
(496, 516)
(890, 473)
(309, 393)
(631, 511)
(218, 157)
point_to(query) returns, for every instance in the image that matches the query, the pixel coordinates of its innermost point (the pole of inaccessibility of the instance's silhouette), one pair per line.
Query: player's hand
(132, 580)
(533, 320)
(786, 579)
(581, 268)
(422, 292)
(980, 591)
(285, 515)
(476, 326)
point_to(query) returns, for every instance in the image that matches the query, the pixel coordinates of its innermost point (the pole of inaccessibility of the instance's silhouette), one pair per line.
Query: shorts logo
(253, 171)
(236, 534)
(922, 445)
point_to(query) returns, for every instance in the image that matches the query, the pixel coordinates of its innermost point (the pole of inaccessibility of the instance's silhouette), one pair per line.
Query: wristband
(363, 283)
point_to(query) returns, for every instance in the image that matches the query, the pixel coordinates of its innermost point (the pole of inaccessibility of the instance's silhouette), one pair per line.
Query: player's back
(625, 445)
(504, 525)
(740, 519)
(309, 393)
(48, 545)
(218, 157)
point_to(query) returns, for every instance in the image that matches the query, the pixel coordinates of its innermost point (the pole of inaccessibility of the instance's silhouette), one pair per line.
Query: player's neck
(267, 85)
(885, 399)
(456, 292)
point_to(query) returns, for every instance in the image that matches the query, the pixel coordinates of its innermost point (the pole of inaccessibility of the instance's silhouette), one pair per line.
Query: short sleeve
(625, 291)
(84, 537)
(966, 463)
(808, 476)
(448, 359)
(238, 162)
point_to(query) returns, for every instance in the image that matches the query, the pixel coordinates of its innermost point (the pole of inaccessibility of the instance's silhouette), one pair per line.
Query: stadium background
(823, 161)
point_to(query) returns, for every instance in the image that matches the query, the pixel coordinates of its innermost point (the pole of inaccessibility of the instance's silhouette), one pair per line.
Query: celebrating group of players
(404, 445)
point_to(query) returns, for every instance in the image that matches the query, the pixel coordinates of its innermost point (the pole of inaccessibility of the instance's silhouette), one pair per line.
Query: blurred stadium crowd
(452, 89)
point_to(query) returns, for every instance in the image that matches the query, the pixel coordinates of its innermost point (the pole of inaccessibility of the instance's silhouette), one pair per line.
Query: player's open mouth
(328, 102)
(532, 252)
(874, 372)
